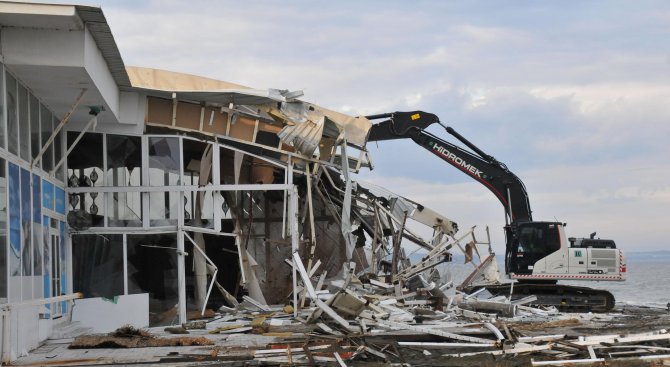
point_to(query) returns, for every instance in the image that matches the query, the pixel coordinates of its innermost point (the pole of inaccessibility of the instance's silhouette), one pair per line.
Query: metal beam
(92, 122)
(173, 188)
(58, 128)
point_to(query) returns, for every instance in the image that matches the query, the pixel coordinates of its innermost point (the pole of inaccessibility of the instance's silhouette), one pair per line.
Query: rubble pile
(364, 320)
(406, 313)
(367, 320)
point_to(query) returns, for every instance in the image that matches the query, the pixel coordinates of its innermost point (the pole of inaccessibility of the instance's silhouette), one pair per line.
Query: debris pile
(395, 311)
(404, 312)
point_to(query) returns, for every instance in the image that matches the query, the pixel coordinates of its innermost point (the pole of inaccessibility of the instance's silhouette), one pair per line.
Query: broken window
(97, 264)
(164, 170)
(152, 268)
(221, 251)
(12, 118)
(197, 163)
(124, 168)
(85, 169)
(237, 167)
(261, 213)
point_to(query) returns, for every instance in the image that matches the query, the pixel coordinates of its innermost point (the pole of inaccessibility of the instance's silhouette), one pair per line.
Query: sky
(574, 96)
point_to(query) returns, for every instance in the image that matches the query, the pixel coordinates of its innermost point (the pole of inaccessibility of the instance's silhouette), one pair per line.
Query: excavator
(537, 253)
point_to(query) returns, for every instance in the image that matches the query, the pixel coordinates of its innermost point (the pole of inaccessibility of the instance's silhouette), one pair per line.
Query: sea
(647, 278)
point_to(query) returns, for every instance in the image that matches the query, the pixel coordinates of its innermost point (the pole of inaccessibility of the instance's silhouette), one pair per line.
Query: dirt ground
(626, 320)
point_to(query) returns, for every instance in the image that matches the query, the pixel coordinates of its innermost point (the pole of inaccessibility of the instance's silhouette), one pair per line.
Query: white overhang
(57, 50)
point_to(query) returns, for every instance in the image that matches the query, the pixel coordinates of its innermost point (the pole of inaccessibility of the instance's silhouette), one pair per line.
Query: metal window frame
(289, 218)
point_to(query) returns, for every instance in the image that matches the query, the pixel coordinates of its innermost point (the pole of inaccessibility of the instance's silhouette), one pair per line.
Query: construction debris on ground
(366, 320)
(356, 328)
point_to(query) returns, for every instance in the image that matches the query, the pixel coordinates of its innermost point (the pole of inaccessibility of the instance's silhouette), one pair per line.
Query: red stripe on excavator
(496, 192)
(543, 276)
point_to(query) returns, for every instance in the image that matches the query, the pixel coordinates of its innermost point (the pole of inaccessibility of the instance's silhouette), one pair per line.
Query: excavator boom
(481, 167)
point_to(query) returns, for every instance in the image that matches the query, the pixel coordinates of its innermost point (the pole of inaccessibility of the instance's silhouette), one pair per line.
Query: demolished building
(139, 196)
(190, 193)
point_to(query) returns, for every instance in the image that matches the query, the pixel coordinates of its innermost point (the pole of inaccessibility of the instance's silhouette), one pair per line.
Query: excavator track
(564, 297)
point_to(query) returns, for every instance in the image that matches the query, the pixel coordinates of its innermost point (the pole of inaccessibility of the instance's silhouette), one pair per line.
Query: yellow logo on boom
(415, 116)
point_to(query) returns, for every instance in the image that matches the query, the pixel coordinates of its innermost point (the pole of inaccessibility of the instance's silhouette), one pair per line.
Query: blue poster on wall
(47, 195)
(14, 220)
(60, 200)
(37, 203)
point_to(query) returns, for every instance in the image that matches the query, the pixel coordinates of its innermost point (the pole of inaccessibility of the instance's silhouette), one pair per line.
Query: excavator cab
(529, 242)
(541, 252)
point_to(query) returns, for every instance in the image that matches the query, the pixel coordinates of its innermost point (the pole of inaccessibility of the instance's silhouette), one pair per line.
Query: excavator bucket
(399, 124)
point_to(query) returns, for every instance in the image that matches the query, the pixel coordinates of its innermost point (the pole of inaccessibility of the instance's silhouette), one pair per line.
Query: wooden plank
(430, 329)
(446, 345)
(592, 353)
(541, 338)
(568, 362)
(303, 274)
(642, 338)
(524, 349)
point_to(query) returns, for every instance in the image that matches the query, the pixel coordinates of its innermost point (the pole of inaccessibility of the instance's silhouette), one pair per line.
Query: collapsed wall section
(209, 205)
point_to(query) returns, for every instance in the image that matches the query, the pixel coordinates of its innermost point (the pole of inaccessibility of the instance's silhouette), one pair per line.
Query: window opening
(164, 170)
(124, 168)
(97, 264)
(152, 268)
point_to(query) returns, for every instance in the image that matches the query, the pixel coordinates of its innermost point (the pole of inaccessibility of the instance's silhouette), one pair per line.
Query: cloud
(490, 35)
(572, 97)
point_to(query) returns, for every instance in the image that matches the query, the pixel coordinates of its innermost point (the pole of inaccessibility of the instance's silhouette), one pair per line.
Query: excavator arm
(483, 168)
